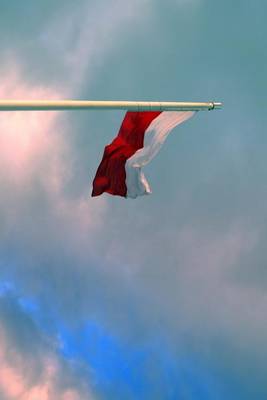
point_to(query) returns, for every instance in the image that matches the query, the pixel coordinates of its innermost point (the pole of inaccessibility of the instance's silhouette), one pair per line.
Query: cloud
(170, 266)
(76, 40)
(27, 138)
(100, 258)
(37, 153)
(37, 374)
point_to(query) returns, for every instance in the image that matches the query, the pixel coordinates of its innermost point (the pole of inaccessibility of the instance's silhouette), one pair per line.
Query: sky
(165, 296)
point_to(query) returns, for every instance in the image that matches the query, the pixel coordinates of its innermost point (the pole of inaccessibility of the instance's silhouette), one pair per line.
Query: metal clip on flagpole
(56, 105)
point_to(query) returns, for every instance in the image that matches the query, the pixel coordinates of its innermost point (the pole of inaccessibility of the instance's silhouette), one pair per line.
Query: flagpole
(56, 105)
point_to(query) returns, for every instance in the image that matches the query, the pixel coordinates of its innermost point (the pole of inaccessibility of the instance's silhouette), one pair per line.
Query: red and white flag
(140, 138)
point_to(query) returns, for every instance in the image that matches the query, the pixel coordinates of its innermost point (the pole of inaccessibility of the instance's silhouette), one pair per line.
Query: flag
(140, 138)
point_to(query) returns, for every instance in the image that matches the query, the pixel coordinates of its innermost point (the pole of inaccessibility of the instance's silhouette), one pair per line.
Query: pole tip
(217, 106)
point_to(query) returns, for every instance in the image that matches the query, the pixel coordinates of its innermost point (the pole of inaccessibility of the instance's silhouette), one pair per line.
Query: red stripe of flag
(110, 176)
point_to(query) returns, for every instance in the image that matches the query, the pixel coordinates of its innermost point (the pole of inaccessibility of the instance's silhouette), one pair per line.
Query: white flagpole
(55, 105)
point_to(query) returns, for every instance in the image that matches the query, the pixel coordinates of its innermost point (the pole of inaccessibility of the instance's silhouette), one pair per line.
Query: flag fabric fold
(140, 138)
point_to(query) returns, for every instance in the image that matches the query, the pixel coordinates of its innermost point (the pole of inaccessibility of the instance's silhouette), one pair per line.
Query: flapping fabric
(140, 137)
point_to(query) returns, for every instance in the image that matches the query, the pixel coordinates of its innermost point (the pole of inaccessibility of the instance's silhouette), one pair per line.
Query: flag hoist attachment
(56, 105)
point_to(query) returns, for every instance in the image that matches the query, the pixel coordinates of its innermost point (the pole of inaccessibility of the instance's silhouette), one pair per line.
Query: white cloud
(86, 36)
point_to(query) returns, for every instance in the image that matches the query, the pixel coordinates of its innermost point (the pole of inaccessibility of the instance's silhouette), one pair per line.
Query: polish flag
(140, 138)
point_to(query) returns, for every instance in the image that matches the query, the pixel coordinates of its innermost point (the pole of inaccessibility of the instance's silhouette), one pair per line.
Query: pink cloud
(26, 137)
(16, 376)
(34, 148)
